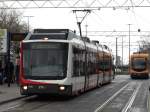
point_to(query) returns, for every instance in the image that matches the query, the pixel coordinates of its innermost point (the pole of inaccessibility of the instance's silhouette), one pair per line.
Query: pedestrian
(1, 75)
(10, 69)
(113, 69)
(17, 69)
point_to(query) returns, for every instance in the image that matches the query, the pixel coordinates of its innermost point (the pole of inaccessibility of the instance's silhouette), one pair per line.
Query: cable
(124, 3)
(117, 3)
(141, 2)
(92, 3)
(67, 2)
(108, 2)
(35, 3)
(100, 3)
(76, 3)
(60, 3)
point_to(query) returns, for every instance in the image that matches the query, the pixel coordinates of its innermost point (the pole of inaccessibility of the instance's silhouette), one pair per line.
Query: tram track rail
(148, 103)
(15, 99)
(110, 99)
(125, 104)
(105, 98)
(12, 100)
(26, 102)
(11, 104)
(131, 100)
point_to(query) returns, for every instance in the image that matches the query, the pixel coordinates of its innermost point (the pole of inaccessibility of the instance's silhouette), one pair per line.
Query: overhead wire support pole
(122, 54)
(80, 30)
(129, 45)
(86, 29)
(80, 22)
(116, 53)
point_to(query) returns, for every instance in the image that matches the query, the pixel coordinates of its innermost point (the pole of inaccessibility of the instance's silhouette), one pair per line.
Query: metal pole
(8, 60)
(116, 54)
(28, 17)
(122, 54)
(86, 28)
(79, 25)
(80, 22)
(28, 25)
(129, 46)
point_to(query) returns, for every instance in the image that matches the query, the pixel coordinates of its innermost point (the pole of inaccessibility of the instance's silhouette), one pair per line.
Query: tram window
(82, 68)
(91, 63)
(106, 64)
(75, 66)
(94, 64)
(76, 62)
(79, 63)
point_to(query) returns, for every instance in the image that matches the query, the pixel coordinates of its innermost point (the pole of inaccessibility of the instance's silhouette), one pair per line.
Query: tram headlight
(62, 88)
(25, 87)
(45, 38)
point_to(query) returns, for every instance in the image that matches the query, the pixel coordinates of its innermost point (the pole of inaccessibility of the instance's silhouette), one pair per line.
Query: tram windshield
(139, 64)
(45, 60)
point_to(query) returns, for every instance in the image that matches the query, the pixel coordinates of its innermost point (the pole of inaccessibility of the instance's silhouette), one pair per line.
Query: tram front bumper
(140, 75)
(46, 89)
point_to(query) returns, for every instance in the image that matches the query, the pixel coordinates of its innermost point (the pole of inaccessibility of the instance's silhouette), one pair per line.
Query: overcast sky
(97, 20)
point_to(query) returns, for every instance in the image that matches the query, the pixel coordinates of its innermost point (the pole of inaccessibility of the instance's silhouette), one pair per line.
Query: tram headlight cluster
(62, 88)
(25, 87)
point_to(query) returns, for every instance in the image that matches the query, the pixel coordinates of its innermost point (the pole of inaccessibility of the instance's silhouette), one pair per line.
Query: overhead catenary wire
(72, 4)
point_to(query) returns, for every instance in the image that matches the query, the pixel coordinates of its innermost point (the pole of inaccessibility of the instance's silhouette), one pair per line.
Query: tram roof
(140, 55)
(63, 35)
(59, 34)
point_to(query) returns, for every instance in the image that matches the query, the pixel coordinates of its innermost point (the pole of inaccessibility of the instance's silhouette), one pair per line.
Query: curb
(148, 101)
(10, 100)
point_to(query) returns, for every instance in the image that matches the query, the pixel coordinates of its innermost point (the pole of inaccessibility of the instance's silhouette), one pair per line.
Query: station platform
(8, 94)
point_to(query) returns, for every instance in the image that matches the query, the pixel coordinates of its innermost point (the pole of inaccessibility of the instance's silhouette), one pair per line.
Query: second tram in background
(57, 61)
(139, 65)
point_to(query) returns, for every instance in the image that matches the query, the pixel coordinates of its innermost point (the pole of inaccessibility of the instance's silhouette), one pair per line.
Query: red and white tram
(57, 61)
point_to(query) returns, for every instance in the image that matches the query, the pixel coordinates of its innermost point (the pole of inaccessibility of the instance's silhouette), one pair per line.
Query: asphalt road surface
(122, 95)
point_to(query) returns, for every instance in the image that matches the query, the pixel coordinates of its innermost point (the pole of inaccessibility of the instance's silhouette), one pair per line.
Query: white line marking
(13, 107)
(132, 98)
(106, 102)
(148, 99)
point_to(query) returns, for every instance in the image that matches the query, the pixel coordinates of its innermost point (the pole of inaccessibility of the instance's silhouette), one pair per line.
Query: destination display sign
(45, 45)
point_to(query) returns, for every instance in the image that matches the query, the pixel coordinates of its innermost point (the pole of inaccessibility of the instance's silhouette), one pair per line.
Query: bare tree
(12, 21)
